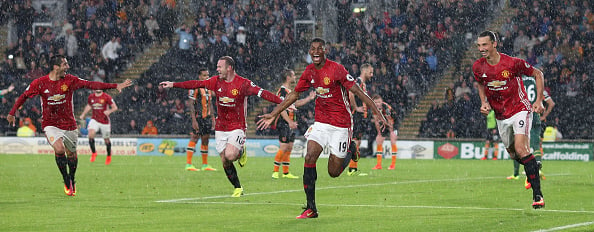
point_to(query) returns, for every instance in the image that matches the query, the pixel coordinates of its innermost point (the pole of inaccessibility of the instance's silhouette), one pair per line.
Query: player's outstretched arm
(356, 89)
(266, 119)
(123, 85)
(167, 84)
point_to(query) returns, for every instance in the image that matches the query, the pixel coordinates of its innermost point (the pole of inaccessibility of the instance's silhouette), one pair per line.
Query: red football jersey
(503, 84)
(331, 83)
(231, 99)
(99, 105)
(56, 99)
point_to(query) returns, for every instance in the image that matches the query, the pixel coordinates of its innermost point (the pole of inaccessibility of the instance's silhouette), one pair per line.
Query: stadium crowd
(408, 46)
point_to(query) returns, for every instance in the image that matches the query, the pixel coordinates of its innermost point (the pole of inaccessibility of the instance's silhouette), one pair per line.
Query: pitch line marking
(339, 187)
(389, 206)
(566, 227)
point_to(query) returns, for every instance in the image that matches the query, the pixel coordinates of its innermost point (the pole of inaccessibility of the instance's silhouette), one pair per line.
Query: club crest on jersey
(506, 74)
(234, 92)
(327, 80)
(64, 88)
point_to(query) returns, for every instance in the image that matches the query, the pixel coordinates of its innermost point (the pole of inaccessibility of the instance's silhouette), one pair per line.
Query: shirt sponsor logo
(496, 84)
(226, 100)
(321, 90)
(56, 97)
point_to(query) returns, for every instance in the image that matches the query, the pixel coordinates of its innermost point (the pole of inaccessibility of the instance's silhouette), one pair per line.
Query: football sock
(486, 153)
(232, 175)
(190, 151)
(347, 160)
(72, 165)
(516, 168)
(286, 161)
(62, 163)
(394, 153)
(92, 144)
(277, 160)
(496, 150)
(310, 176)
(379, 154)
(108, 147)
(204, 153)
(531, 168)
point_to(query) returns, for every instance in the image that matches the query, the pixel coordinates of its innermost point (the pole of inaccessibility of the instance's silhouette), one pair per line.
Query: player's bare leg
(230, 154)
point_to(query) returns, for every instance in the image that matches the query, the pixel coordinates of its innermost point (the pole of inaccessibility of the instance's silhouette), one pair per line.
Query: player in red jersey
(499, 77)
(333, 118)
(56, 90)
(231, 91)
(102, 105)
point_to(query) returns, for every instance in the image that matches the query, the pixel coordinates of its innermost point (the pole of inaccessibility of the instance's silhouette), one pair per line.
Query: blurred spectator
(132, 128)
(111, 56)
(149, 129)
(27, 129)
(152, 27)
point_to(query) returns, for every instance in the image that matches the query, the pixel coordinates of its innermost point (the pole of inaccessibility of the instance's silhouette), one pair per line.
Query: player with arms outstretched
(499, 77)
(102, 105)
(56, 91)
(232, 91)
(333, 118)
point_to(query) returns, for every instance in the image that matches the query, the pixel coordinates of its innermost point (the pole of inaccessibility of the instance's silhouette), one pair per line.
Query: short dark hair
(318, 40)
(56, 60)
(229, 61)
(492, 35)
(202, 70)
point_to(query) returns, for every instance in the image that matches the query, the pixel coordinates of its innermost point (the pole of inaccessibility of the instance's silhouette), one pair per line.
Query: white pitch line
(566, 227)
(386, 206)
(340, 187)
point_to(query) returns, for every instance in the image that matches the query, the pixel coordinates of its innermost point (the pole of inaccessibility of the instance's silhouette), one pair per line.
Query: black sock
(62, 163)
(516, 168)
(310, 175)
(232, 175)
(531, 168)
(92, 144)
(347, 158)
(72, 165)
(108, 146)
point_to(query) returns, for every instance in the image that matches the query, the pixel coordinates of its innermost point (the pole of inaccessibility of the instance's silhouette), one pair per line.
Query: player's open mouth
(316, 58)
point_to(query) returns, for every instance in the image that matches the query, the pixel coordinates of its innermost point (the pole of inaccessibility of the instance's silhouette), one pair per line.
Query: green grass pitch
(150, 193)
